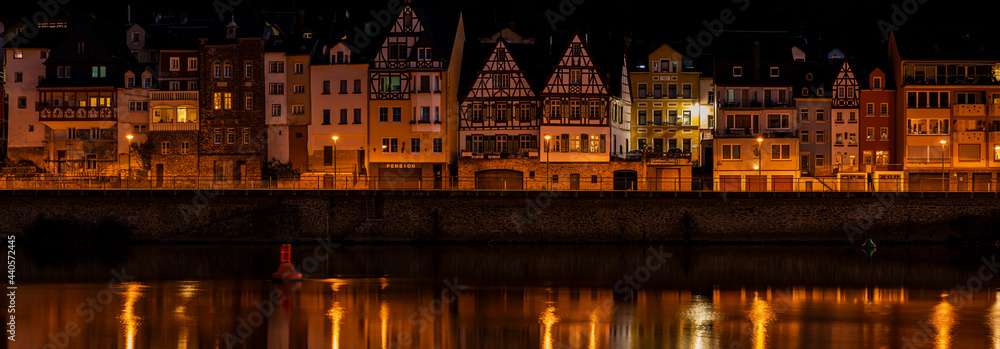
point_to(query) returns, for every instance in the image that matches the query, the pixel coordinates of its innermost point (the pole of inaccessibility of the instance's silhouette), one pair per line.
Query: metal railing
(563, 182)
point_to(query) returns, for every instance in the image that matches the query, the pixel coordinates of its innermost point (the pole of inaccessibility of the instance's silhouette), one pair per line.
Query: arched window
(819, 91)
(805, 91)
(217, 69)
(227, 70)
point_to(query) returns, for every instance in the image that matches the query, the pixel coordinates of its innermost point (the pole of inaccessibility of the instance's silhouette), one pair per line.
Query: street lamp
(128, 179)
(335, 138)
(943, 171)
(547, 177)
(759, 154)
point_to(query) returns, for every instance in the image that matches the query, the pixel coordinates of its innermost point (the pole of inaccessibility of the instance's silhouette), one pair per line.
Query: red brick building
(877, 109)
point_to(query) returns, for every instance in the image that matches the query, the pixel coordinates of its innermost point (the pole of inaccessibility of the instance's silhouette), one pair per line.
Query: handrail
(892, 181)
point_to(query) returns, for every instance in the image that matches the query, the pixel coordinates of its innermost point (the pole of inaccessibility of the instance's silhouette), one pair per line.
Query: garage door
(757, 183)
(782, 183)
(667, 179)
(400, 178)
(500, 180)
(729, 183)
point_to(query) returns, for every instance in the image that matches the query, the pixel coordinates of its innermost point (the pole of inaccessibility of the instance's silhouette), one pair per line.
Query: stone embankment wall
(556, 217)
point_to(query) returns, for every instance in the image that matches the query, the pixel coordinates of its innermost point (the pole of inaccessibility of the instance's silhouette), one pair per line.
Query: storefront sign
(400, 165)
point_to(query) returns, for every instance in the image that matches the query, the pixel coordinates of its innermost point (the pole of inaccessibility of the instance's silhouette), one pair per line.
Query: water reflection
(186, 292)
(993, 319)
(129, 320)
(373, 307)
(548, 319)
(336, 314)
(943, 320)
(594, 320)
(760, 314)
(700, 315)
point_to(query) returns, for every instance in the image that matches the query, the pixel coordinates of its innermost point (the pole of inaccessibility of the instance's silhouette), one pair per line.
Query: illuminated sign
(400, 165)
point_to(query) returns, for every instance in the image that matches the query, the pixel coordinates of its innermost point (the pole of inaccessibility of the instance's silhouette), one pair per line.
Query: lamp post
(759, 154)
(943, 171)
(128, 179)
(335, 160)
(547, 177)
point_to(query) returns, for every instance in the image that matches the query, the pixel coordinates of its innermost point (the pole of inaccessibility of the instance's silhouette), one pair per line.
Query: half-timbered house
(576, 108)
(846, 116)
(412, 75)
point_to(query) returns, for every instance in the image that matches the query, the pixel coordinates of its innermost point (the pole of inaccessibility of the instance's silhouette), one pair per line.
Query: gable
(575, 73)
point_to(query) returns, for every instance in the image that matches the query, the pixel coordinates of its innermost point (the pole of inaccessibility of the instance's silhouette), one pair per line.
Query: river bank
(519, 217)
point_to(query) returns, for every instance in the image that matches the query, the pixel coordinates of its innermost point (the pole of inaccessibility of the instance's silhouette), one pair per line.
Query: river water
(574, 296)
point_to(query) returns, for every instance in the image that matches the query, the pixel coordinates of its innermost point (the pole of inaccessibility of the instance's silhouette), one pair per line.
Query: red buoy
(286, 271)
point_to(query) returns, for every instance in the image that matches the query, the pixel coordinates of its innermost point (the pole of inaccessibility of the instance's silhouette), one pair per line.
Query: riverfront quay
(522, 217)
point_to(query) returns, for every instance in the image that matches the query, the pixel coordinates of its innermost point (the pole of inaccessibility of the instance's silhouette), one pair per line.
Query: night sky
(656, 20)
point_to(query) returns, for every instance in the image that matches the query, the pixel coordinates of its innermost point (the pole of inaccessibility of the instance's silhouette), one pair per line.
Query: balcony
(423, 126)
(754, 104)
(50, 113)
(968, 110)
(522, 153)
(173, 96)
(994, 109)
(173, 126)
(745, 133)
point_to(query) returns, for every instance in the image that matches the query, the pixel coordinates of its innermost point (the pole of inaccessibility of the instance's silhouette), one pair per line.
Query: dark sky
(664, 19)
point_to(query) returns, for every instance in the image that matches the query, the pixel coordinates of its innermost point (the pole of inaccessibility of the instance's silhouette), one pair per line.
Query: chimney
(300, 17)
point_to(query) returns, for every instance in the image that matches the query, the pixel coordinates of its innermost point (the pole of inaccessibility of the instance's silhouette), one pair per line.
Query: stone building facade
(232, 139)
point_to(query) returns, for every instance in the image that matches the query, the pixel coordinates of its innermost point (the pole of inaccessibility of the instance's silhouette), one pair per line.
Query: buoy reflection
(548, 319)
(943, 321)
(760, 314)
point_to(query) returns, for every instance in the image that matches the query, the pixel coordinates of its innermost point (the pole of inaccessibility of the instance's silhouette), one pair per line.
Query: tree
(275, 169)
(144, 152)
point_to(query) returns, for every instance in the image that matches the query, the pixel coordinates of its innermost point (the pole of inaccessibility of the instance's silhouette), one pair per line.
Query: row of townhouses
(428, 104)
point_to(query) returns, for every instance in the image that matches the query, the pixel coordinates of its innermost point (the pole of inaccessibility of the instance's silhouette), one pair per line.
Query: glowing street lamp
(943, 171)
(548, 178)
(335, 155)
(128, 179)
(759, 154)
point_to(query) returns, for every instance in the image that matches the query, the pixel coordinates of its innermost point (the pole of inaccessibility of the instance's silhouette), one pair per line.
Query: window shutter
(468, 143)
(604, 143)
(534, 141)
(584, 143)
(565, 143)
(513, 144)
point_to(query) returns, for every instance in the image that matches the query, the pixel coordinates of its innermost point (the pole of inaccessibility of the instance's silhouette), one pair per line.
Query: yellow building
(666, 112)
(757, 164)
(413, 105)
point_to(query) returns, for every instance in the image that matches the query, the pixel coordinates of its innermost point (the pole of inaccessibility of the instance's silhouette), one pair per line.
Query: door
(438, 174)
(159, 175)
(667, 179)
(729, 183)
(574, 181)
(498, 180)
(782, 183)
(400, 178)
(237, 172)
(757, 183)
(625, 180)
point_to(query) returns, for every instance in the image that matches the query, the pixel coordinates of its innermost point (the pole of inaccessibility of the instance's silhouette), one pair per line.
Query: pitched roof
(961, 44)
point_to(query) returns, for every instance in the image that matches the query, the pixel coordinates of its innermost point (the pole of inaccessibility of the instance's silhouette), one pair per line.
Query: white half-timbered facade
(576, 108)
(846, 116)
(499, 115)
